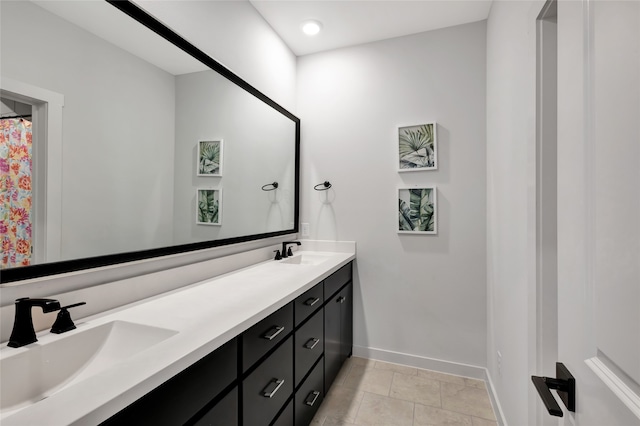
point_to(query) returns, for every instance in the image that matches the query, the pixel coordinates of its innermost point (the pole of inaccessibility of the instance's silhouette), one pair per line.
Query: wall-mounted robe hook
(323, 186)
(270, 186)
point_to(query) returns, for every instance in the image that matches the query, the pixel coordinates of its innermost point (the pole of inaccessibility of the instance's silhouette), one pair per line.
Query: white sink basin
(305, 259)
(37, 371)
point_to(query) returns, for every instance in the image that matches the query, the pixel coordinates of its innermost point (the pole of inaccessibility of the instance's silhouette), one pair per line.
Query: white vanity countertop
(205, 315)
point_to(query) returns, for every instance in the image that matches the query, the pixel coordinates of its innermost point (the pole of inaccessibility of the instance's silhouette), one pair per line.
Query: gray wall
(418, 295)
(111, 97)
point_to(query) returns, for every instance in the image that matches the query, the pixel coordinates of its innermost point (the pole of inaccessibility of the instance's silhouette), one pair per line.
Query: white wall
(511, 288)
(419, 295)
(107, 92)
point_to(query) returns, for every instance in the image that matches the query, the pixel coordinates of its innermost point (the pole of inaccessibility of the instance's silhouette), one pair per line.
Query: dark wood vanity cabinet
(276, 373)
(267, 389)
(286, 417)
(222, 412)
(309, 302)
(266, 335)
(338, 324)
(188, 394)
(310, 395)
(309, 345)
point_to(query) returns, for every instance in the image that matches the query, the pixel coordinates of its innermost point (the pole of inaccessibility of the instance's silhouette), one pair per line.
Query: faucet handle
(64, 322)
(278, 256)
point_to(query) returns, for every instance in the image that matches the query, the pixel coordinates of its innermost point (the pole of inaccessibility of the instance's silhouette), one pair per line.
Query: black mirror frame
(53, 268)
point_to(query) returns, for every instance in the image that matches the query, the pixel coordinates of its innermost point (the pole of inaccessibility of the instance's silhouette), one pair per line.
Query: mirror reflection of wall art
(209, 206)
(210, 158)
(417, 148)
(417, 211)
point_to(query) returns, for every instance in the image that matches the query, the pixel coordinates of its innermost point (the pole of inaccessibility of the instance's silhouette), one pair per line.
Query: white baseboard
(448, 367)
(497, 408)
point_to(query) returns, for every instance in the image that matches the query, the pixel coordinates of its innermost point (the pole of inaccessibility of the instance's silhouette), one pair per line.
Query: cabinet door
(332, 346)
(338, 332)
(346, 322)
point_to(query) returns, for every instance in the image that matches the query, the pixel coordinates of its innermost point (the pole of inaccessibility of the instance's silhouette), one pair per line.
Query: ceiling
(351, 22)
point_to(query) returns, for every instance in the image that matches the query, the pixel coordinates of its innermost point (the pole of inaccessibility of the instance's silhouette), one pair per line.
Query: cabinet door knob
(272, 388)
(272, 333)
(311, 398)
(341, 299)
(311, 343)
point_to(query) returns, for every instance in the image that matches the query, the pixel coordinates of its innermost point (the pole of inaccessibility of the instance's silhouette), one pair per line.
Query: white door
(599, 208)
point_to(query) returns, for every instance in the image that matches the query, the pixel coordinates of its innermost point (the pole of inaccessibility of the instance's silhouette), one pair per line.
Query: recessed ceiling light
(311, 27)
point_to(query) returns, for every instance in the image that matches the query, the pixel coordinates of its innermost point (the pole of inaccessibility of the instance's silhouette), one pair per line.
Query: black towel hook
(270, 186)
(323, 186)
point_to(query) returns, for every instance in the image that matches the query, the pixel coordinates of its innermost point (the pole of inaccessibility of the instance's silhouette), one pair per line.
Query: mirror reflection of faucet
(278, 255)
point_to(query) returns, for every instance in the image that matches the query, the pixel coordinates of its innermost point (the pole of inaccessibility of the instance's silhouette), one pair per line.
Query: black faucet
(64, 322)
(23, 332)
(286, 253)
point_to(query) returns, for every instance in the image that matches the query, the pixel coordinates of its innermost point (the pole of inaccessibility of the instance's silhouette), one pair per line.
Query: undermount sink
(305, 259)
(39, 370)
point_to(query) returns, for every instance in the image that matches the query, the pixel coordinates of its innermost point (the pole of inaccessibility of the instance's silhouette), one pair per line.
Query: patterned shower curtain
(15, 192)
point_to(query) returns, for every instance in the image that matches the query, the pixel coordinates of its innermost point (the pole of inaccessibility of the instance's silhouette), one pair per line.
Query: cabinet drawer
(309, 344)
(265, 335)
(310, 396)
(336, 280)
(225, 412)
(181, 397)
(286, 417)
(268, 387)
(308, 303)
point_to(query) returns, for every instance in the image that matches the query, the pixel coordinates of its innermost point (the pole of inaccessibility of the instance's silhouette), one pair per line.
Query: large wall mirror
(122, 141)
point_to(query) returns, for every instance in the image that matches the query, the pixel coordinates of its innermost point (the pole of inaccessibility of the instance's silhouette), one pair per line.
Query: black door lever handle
(565, 384)
(547, 398)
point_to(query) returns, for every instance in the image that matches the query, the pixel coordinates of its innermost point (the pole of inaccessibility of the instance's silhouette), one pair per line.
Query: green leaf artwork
(417, 147)
(416, 210)
(209, 158)
(209, 206)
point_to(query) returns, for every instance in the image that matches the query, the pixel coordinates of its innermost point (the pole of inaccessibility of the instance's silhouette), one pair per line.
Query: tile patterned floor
(369, 392)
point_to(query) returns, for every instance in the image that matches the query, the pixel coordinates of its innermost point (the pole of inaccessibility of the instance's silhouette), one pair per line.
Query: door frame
(546, 233)
(47, 183)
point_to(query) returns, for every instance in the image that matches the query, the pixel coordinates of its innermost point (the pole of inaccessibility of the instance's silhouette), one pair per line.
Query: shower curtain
(15, 191)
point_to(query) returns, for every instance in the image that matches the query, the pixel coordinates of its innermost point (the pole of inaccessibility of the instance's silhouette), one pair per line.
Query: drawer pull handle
(341, 299)
(311, 301)
(311, 398)
(272, 388)
(271, 334)
(311, 343)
